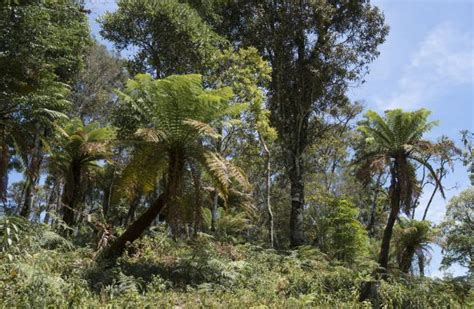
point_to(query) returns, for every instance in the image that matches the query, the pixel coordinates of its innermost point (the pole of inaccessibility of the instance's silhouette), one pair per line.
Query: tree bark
(72, 188)
(271, 229)
(133, 208)
(50, 201)
(135, 230)
(215, 197)
(214, 207)
(197, 182)
(395, 191)
(297, 203)
(421, 263)
(32, 177)
(370, 225)
(430, 201)
(172, 191)
(406, 259)
(4, 160)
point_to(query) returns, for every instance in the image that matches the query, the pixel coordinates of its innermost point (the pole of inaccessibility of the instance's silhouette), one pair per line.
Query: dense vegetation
(221, 163)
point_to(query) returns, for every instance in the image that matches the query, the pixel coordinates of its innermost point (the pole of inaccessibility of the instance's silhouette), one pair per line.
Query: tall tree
(92, 94)
(395, 141)
(458, 228)
(169, 36)
(79, 148)
(41, 48)
(156, 30)
(174, 115)
(248, 75)
(316, 49)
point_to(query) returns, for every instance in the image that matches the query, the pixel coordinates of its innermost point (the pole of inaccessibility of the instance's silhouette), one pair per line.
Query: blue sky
(427, 61)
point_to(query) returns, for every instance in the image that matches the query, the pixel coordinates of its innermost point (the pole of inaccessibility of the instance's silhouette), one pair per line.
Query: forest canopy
(211, 155)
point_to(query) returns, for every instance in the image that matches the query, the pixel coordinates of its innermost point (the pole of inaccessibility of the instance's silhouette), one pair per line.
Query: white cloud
(445, 58)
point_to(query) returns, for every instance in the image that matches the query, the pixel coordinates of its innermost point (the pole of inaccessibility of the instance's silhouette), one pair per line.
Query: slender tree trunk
(133, 209)
(406, 259)
(421, 263)
(297, 203)
(197, 222)
(108, 195)
(395, 192)
(71, 194)
(271, 229)
(215, 197)
(4, 160)
(32, 177)
(370, 225)
(214, 208)
(50, 202)
(430, 201)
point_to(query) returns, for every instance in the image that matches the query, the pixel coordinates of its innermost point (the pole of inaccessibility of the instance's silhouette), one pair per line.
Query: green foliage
(169, 36)
(177, 114)
(182, 145)
(458, 228)
(92, 93)
(339, 233)
(230, 223)
(468, 153)
(412, 237)
(80, 143)
(41, 50)
(20, 238)
(203, 272)
(395, 143)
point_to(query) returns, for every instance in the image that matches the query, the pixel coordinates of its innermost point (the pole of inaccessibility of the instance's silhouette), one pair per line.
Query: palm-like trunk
(71, 194)
(133, 208)
(421, 263)
(430, 200)
(135, 230)
(215, 196)
(172, 191)
(197, 182)
(406, 259)
(395, 195)
(50, 201)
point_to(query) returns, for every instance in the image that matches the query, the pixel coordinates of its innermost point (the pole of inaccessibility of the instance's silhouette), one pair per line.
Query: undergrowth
(40, 269)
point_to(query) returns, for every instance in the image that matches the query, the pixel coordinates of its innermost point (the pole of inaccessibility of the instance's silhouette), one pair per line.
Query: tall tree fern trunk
(71, 194)
(133, 208)
(406, 259)
(421, 263)
(168, 198)
(395, 192)
(135, 230)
